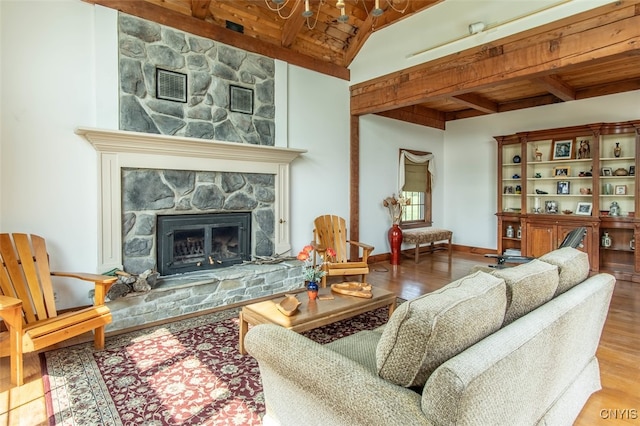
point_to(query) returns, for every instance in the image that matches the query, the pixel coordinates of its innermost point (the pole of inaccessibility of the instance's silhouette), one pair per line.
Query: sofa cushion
(529, 285)
(573, 266)
(425, 332)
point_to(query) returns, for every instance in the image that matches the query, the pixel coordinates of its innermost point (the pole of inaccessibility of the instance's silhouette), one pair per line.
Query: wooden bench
(426, 236)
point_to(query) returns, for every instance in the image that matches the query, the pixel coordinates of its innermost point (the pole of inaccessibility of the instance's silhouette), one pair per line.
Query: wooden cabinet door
(563, 230)
(541, 239)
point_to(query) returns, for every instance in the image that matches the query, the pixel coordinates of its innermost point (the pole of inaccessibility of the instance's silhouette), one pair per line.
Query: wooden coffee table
(315, 313)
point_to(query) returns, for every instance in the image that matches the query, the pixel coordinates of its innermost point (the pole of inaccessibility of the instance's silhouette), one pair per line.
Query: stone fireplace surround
(176, 296)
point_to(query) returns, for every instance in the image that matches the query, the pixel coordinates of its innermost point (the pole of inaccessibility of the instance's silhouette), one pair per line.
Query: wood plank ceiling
(591, 54)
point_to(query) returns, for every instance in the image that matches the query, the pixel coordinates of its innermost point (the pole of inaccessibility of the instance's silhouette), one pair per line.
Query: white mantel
(119, 149)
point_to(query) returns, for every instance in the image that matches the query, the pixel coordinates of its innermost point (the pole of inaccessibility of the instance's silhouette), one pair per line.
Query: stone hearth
(197, 292)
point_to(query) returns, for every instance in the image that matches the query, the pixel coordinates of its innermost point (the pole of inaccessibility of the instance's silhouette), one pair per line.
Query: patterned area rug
(184, 373)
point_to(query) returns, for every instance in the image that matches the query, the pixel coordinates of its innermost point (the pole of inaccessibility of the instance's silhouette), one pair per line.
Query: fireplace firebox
(195, 242)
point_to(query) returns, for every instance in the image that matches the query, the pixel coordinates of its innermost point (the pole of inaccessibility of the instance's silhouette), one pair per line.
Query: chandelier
(340, 5)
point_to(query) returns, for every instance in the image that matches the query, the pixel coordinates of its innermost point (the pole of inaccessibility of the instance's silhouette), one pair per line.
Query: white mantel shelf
(118, 149)
(149, 143)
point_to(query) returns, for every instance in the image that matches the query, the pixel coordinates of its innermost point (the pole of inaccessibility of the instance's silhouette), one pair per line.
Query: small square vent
(171, 86)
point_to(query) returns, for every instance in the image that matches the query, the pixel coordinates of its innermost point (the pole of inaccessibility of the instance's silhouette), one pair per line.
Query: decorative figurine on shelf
(519, 233)
(509, 231)
(606, 240)
(632, 243)
(614, 209)
(617, 150)
(537, 175)
(537, 154)
(584, 151)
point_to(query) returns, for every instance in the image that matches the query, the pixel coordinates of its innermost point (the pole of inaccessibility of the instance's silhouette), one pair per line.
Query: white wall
(381, 139)
(318, 122)
(471, 151)
(48, 174)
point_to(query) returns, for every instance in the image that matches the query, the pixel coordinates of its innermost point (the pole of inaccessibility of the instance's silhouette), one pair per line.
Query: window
(417, 188)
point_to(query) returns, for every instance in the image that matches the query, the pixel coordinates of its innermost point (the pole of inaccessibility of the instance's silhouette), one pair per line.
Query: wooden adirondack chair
(331, 232)
(27, 303)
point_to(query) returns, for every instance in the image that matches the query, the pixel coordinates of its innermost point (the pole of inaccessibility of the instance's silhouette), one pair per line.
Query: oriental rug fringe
(184, 373)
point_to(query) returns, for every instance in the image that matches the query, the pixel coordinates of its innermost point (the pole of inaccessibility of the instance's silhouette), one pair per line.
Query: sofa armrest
(307, 383)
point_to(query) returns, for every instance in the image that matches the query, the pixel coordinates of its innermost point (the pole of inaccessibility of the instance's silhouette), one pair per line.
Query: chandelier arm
(390, 3)
(317, 16)
(279, 8)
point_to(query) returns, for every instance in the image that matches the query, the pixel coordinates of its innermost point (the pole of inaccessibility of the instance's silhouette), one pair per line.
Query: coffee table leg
(392, 307)
(244, 326)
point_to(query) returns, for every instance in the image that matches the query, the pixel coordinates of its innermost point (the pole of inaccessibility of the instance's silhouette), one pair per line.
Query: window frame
(427, 221)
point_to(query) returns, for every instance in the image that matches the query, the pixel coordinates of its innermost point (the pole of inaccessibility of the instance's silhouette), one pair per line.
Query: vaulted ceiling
(591, 54)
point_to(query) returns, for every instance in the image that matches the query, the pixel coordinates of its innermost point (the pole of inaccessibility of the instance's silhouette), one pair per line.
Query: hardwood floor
(618, 403)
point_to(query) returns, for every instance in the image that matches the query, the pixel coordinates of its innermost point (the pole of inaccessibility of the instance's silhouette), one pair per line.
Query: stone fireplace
(201, 176)
(193, 201)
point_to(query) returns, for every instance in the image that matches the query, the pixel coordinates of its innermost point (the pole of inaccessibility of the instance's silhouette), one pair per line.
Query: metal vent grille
(171, 86)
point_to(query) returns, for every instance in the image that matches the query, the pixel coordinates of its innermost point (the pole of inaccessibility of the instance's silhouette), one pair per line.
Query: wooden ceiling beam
(476, 102)
(609, 32)
(163, 16)
(609, 88)
(554, 85)
(200, 8)
(417, 114)
(357, 41)
(292, 26)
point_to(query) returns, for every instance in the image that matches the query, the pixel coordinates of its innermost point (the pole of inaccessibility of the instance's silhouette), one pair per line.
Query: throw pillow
(529, 285)
(425, 332)
(573, 266)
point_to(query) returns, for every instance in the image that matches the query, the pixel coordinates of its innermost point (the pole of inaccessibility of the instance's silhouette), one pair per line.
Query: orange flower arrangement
(313, 272)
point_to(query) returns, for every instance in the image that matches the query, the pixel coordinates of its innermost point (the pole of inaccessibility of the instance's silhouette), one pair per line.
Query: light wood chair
(27, 302)
(331, 232)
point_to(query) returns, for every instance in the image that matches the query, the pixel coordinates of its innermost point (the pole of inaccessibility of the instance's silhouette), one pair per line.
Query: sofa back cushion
(529, 285)
(573, 266)
(425, 332)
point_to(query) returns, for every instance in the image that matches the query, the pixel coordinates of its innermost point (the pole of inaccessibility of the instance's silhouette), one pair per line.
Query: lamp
(279, 5)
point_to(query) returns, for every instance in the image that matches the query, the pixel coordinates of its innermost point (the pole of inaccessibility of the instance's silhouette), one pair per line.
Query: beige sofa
(511, 347)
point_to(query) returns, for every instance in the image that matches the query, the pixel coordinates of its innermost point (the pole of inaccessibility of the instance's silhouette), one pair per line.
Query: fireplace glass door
(204, 241)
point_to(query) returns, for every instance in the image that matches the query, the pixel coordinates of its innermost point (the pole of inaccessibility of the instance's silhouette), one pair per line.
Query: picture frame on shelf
(583, 149)
(562, 149)
(621, 190)
(551, 206)
(584, 208)
(606, 171)
(563, 187)
(563, 171)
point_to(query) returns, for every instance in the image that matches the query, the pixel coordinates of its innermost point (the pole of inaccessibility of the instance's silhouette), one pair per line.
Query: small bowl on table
(567, 211)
